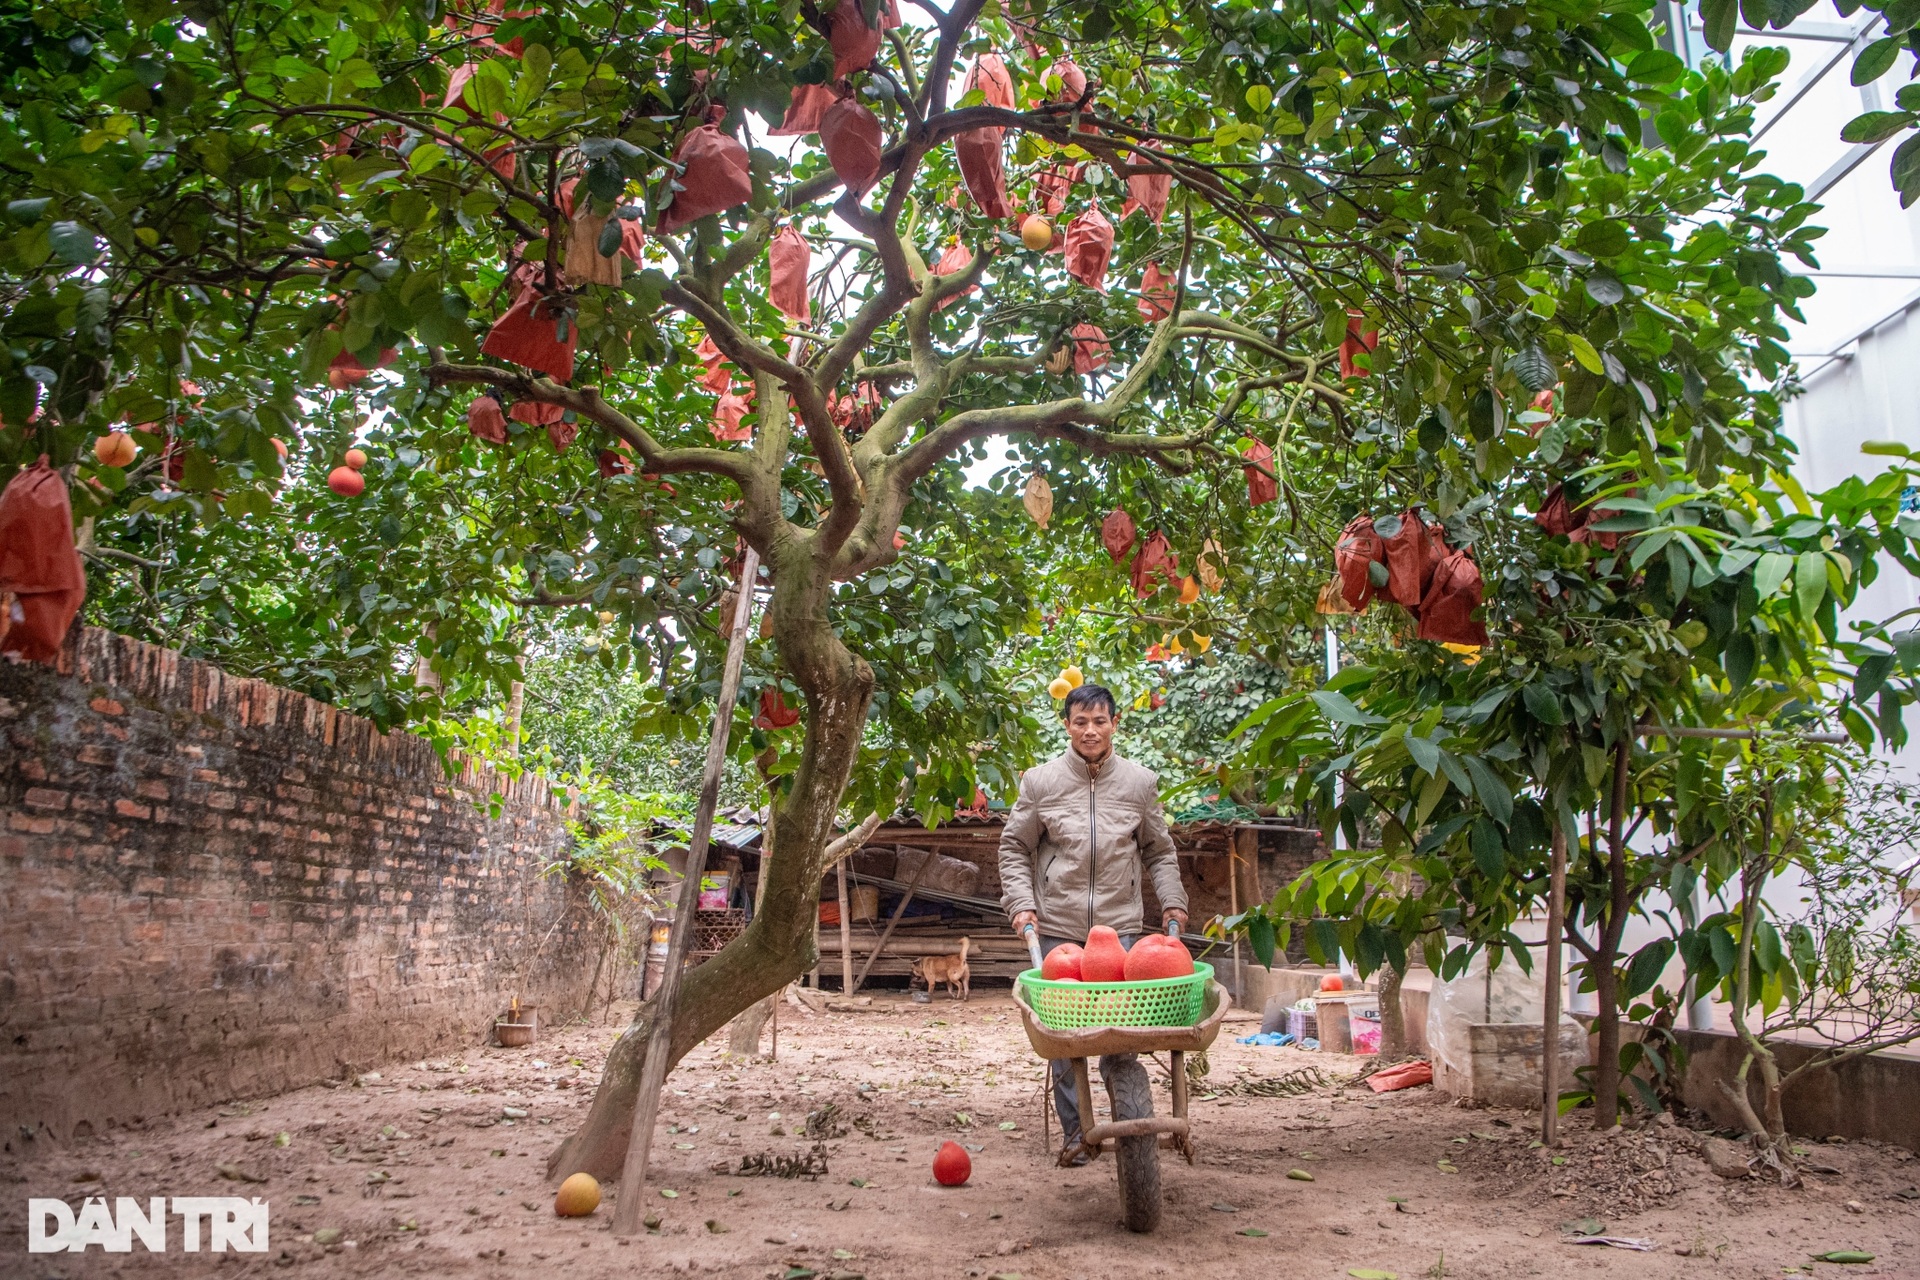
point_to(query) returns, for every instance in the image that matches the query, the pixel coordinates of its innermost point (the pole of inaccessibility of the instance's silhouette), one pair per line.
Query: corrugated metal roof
(736, 835)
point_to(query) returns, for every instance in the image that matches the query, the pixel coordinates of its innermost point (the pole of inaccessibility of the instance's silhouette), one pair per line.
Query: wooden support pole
(846, 931)
(1550, 1024)
(898, 911)
(653, 1074)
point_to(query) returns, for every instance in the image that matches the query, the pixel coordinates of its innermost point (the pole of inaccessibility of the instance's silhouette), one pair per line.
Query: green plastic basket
(1161, 1002)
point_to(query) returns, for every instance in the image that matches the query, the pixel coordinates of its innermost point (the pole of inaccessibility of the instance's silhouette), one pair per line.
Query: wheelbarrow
(1134, 1134)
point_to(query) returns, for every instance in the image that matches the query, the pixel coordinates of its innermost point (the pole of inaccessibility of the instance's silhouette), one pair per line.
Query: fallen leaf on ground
(1639, 1243)
(1255, 1232)
(1842, 1255)
(1221, 1206)
(1371, 1273)
(1300, 1175)
(669, 1193)
(1584, 1227)
(328, 1235)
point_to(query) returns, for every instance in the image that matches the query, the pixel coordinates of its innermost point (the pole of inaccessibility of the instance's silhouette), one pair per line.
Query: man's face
(1090, 729)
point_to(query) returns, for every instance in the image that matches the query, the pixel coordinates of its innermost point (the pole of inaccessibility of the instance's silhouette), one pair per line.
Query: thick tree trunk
(743, 1037)
(1606, 974)
(778, 945)
(1393, 1021)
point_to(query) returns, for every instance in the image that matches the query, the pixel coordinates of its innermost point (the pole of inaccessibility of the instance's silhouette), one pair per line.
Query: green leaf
(1655, 66)
(1261, 936)
(1876, 59)
(1259, 98)
(1741, 654)
(1337, 707)
(1424, 753)
(425, 157)
(198, 471)
(1605, 289)
(1646, 967)
(1876, 126)
(1323, 940)
(1583, 352)
(1543, 705)
(1809, 582)
(1871, 675)
(1531, 366)
(1770, 572)
(1721, 18)
(72, 242)
(1493, 793)
(1489, 850)
(1604, 237)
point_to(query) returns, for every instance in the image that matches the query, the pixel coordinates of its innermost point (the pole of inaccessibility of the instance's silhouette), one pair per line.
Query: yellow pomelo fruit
(579, 1196)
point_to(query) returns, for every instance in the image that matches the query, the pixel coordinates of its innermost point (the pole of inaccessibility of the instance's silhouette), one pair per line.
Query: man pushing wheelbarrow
(1086, 826)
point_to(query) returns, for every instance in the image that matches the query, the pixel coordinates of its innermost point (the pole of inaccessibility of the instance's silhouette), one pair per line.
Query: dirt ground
(435, 1168)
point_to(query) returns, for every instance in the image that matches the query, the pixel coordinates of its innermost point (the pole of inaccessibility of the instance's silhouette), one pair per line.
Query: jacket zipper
(1093, 847)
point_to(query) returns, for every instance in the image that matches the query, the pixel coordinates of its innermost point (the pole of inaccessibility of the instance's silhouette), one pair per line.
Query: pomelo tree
(597, 329)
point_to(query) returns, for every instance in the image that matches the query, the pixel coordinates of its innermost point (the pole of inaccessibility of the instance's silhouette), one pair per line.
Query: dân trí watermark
(231, 1223)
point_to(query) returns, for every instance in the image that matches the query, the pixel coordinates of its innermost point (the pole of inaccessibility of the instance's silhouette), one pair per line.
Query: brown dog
(950, 970)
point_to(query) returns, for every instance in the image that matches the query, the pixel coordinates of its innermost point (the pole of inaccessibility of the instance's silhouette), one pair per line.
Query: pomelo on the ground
(579, 1196)
(951, 1165)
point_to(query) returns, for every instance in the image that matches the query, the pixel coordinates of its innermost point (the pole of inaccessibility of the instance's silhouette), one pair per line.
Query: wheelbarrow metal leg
(1083, 1094)
(1181, 1141)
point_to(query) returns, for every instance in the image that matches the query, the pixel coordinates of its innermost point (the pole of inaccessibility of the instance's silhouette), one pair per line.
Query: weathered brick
(231, 879)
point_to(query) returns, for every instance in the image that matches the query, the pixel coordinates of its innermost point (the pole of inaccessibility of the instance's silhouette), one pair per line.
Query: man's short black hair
(1089, 696)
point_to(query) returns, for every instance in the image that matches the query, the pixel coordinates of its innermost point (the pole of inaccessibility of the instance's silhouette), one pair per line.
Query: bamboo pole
(653, 1075)
(1550, 1025)
(898, 911)
(846, 932)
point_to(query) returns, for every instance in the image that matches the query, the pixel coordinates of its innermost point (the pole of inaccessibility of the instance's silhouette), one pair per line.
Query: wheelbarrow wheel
(1138, 1158)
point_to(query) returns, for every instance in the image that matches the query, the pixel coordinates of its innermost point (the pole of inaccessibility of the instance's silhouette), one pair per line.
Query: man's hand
(1170, 915)
(1021, 919)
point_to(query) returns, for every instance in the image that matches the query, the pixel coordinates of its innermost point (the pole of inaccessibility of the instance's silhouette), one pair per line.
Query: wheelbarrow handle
(1032, 935)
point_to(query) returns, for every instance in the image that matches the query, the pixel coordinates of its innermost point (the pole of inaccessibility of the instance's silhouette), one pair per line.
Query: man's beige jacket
(1073, 847)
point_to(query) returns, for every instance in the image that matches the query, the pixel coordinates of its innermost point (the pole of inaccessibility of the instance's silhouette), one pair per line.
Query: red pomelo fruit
(346, 482)
(1332, 983)
(1062, 963)
(951, 1165)
(1158, 956)
(1104, 960)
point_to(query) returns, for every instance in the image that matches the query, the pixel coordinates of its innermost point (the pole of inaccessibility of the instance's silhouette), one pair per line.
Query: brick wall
(214, 888)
